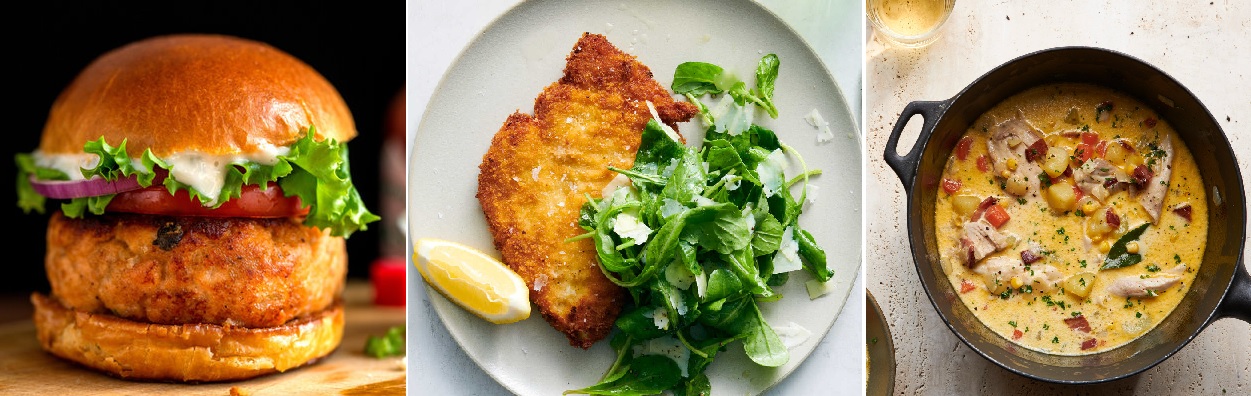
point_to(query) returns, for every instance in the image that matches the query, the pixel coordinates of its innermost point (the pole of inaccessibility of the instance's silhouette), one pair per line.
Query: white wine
(909, 17)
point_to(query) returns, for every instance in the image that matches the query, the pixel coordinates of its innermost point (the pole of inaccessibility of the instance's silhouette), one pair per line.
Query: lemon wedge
(472, 279)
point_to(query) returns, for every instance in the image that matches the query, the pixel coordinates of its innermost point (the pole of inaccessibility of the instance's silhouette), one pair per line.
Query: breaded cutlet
(534, 178)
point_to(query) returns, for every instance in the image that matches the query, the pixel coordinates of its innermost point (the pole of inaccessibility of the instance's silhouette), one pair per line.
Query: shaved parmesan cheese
(616, 182)
(668, 131)
(660, 316)
(772, 172)
(679, 276)
(731, 180)
(787, 257)
(818, 288)
(824, 134)
(701, 283)
(670, 347)
(678, 302)
(792, 334)
(627, 225)
(731, 117)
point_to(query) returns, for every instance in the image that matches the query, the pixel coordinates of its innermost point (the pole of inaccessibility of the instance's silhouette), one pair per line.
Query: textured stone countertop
(1205, 45)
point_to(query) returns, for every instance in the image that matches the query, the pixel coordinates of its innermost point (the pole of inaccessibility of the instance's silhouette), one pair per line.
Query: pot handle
(905, 166)
(1237, 302)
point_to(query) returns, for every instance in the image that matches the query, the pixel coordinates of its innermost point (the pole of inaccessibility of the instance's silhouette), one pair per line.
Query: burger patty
(181, 270)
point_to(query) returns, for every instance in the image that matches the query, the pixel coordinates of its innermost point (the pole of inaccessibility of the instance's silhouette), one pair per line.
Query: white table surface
(437, 31)
(1206, 45)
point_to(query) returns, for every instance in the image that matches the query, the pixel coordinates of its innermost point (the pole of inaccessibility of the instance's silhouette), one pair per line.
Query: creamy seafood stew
(1071, 219)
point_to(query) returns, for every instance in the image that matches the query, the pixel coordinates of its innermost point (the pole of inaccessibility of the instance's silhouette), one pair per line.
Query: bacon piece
(1091, 343)
(1142, 174)
(1113, 220)
(1037, 151)
(1078, 323)
(981, 208)
(1183, 210)
(1028, 257)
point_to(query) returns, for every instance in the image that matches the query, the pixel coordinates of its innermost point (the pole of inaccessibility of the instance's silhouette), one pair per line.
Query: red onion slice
(95, 186)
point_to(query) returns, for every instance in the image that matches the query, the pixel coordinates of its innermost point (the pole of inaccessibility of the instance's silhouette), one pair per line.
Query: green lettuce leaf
(315, 171)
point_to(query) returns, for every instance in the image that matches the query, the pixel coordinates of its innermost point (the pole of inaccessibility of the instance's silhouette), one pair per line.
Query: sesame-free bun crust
(212, 94)
(183, 353)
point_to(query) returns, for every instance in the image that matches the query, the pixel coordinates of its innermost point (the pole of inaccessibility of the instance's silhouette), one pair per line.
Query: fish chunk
(1137, 286)
(980, 239)
(533, 180)
(1000, 271)
(1099, 178)
(1007, 144)
(1152, 195)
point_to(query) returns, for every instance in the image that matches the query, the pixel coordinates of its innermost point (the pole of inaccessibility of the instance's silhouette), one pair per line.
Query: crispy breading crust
(534, 179)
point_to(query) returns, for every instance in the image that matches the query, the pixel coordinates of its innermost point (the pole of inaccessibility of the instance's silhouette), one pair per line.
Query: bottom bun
(186, 353)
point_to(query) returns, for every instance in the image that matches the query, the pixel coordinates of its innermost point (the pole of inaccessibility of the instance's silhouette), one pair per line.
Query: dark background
(357, 46)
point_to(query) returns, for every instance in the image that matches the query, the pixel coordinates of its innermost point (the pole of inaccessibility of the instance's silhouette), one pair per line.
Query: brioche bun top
(213, 94)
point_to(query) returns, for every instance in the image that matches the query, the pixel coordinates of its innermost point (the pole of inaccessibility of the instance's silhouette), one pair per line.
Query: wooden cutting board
(25, 369)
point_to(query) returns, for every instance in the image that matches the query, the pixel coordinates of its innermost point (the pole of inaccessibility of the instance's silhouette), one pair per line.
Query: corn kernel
(1005, 174)
(1096, 237)
(1105, 247)
(1012, 164)
(1132, 247)
(1017, 283)
(1089, 207)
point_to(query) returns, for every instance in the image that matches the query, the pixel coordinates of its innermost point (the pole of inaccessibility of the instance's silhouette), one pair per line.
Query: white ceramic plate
(510, 62)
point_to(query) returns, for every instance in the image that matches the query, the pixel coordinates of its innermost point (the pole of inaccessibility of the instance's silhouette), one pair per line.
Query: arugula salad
(700, 236)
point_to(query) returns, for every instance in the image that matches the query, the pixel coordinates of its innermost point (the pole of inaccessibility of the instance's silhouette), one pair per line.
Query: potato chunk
(1080, 284)
(1061, 196)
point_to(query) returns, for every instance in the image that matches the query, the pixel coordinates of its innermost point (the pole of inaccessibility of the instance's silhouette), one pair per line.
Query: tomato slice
(963, 147)
(252, 202)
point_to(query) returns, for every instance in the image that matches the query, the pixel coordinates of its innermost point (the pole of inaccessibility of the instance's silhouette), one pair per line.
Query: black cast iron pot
(1222, 288)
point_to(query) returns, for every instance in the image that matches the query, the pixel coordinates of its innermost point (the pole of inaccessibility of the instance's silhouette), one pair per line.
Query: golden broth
(1034, 318)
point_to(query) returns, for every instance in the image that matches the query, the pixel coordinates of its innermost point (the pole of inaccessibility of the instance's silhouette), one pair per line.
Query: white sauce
(71, 164)
(206, 173)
